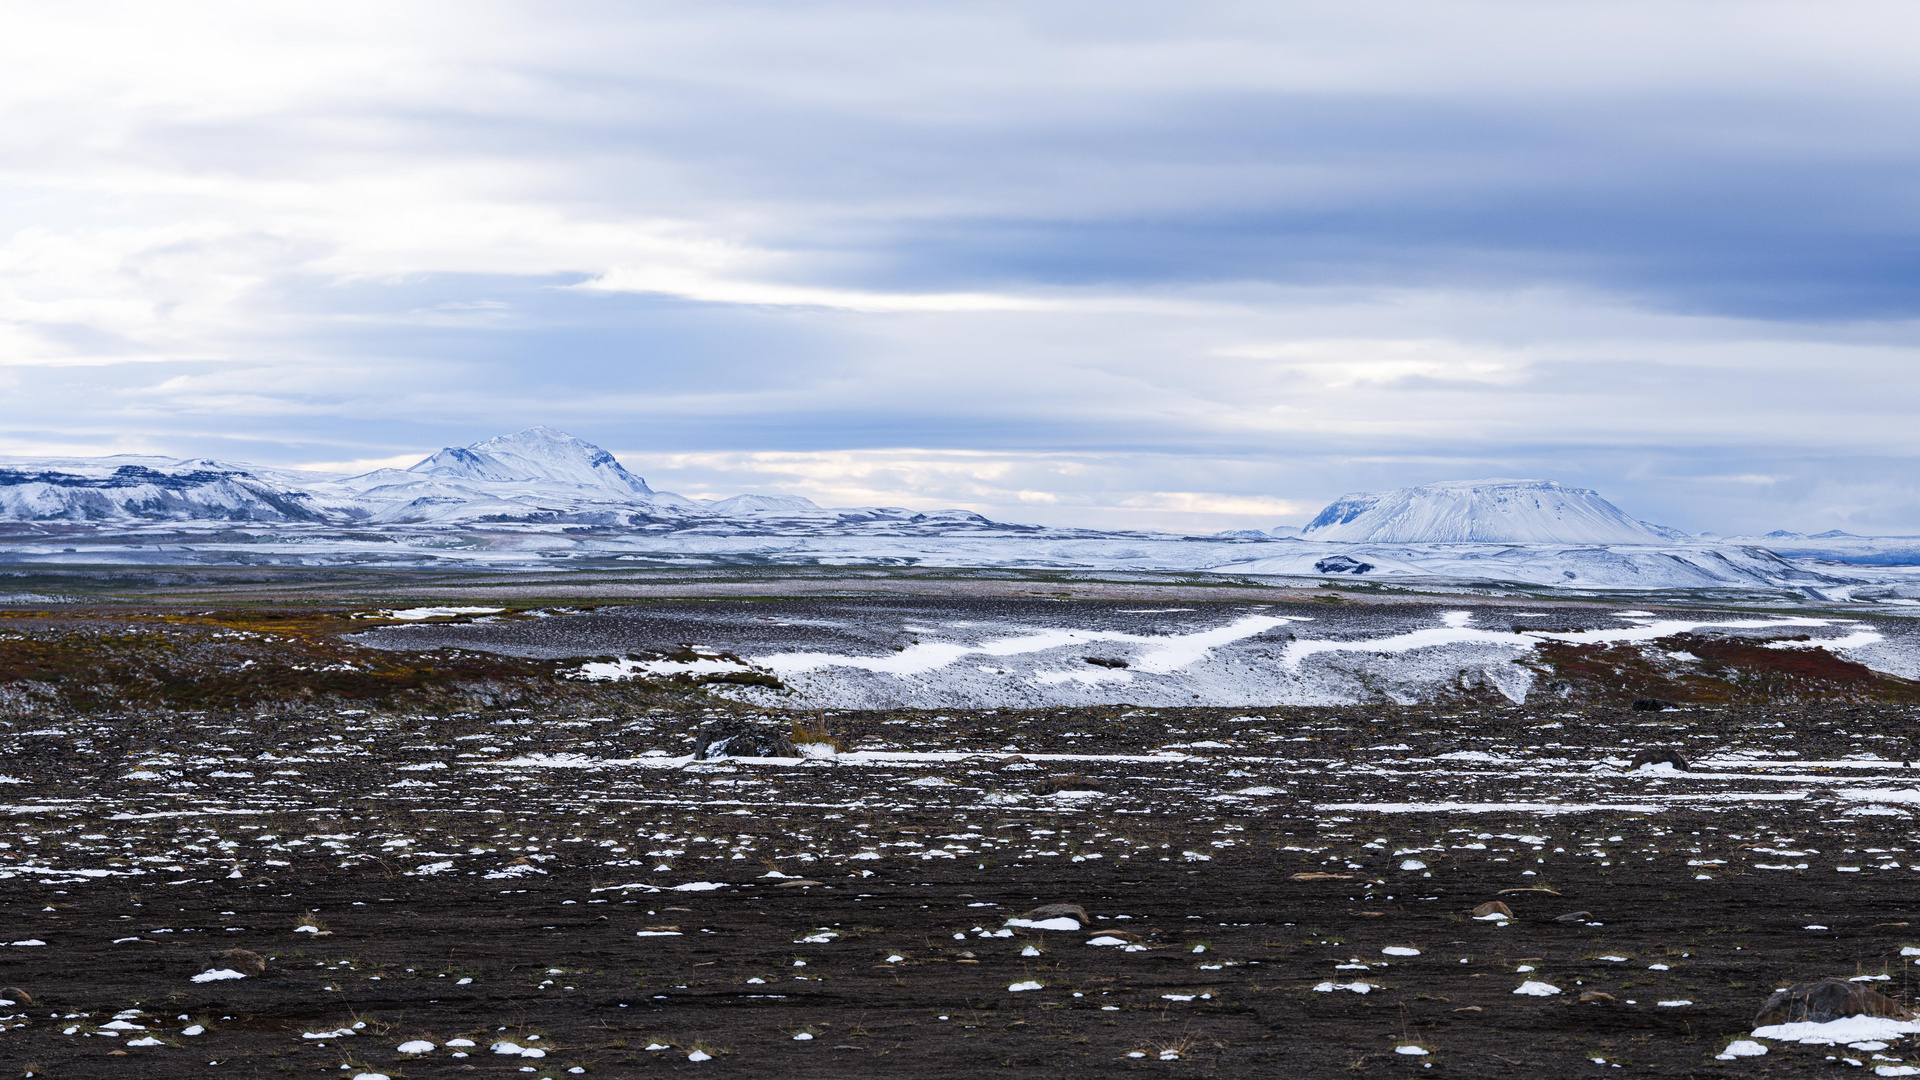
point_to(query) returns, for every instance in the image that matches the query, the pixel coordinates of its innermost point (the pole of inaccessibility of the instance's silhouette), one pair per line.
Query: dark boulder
(1660, 756)
(1342, 564)
(737, 738)
(1828, 999)
(1053, 785)
(244, 961)
(1652, 704)
(1059, 911)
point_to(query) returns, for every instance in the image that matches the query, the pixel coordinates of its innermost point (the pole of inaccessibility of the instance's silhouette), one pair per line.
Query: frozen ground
(779, 542)
(960, 653)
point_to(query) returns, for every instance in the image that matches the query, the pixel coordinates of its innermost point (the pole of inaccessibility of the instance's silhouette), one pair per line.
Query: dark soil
(1244, 903)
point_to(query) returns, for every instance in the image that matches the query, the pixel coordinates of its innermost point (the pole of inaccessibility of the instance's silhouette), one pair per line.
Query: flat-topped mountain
(1482, 511)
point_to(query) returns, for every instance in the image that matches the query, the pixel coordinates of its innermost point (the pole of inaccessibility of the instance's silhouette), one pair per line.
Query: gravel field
(1276, 889)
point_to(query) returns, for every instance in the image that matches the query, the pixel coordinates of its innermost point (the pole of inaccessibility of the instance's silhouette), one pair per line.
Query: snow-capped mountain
(1836, 546)
(538, 454)
(1482, 511)
(539, 476)
(129, 487)
(542, 497)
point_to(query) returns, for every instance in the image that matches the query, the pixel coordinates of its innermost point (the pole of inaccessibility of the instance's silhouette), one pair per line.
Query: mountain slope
(1481, 511)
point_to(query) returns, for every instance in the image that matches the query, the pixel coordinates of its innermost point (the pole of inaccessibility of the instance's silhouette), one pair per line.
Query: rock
(1575, 916)
(1063, 782)
(1059, 911)
(1493, 907)
(1652, 704)
(1660, 756)
(16, 995)
(737, 738)
(1595, 997)
(1828, 999)
(244, 961)
(1342, 564)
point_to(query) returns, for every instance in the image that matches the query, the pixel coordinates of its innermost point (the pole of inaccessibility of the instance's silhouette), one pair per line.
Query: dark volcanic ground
(623, 910)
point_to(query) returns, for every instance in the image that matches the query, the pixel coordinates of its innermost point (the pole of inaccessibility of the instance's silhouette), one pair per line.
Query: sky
(1198, 266)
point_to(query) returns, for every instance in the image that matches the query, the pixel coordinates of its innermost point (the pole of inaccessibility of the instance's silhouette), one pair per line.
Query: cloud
(1117, 264)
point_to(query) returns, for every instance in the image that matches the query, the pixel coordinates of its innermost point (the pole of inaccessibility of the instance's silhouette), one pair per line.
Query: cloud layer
(1111, 264)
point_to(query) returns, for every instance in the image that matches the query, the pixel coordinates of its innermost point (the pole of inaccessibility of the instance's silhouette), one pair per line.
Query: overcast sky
(1195, 266)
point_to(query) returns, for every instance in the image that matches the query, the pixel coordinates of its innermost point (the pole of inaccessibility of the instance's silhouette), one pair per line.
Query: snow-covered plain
(990, 654)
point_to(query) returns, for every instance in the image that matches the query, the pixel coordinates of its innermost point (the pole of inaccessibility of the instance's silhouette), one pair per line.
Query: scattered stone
(1660, 756)
(1064, 782)
(1825, 1000)
(1652, 704)
(737, 738)
(1493, 907)
(244, 961)
(1575, 916)
(1596, 997)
